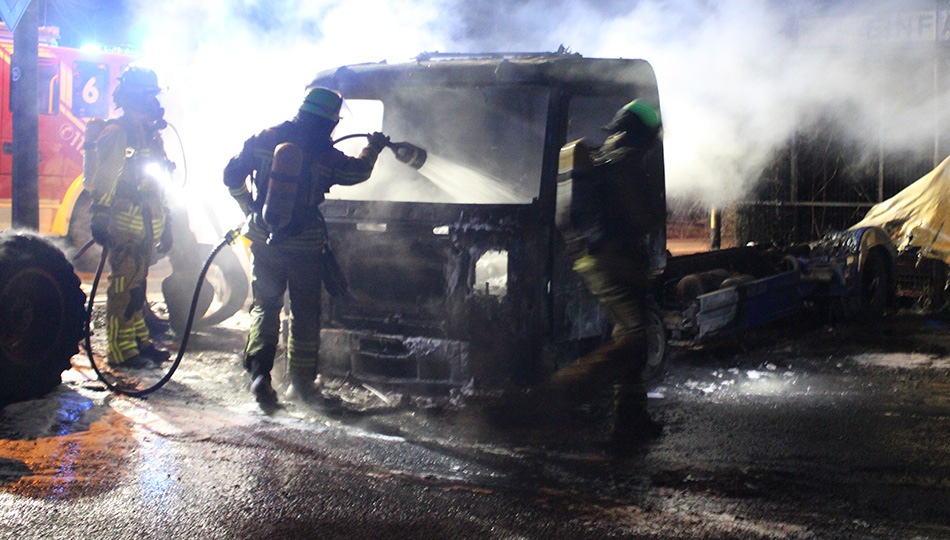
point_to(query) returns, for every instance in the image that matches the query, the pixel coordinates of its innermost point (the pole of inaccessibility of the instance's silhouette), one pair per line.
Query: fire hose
(229, 238)
(407, 153)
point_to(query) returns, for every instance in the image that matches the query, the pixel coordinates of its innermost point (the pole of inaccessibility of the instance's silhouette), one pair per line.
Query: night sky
(106, 22)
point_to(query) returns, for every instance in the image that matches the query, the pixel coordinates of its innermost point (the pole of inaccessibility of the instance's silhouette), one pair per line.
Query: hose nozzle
(409, 154)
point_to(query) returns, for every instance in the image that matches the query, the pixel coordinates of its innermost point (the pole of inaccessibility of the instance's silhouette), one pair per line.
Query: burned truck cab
(457, 274)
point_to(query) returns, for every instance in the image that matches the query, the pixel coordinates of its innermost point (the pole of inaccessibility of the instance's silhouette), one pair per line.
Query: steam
(735, 78)
(231, 69)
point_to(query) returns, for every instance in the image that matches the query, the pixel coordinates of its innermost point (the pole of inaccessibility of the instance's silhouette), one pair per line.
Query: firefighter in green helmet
(128, 213)
(280, 178)
(609, 239)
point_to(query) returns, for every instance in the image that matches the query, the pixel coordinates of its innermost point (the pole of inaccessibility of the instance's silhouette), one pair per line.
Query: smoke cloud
(736, 77)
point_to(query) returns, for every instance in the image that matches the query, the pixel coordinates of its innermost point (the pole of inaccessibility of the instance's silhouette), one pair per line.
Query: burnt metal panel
(394, 359)
(414, 312)
(736, 309)
(571, 71)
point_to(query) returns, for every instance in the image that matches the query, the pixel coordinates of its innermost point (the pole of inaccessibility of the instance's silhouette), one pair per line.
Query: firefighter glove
(378, 141)
(165, 241)
(99, 221)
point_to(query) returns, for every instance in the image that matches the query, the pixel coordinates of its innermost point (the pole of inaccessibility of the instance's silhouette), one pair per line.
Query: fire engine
(74, 86)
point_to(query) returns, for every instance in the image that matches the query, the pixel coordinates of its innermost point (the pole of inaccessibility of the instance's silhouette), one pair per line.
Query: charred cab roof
(569, 71)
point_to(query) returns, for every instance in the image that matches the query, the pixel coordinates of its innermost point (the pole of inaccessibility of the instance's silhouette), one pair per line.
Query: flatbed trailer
(845, 275)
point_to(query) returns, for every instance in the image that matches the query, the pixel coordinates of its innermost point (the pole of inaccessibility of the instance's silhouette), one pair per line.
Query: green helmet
(646, 114)
(322, 102)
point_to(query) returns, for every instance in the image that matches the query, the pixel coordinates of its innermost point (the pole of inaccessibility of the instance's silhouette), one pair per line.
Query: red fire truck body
(74, 86)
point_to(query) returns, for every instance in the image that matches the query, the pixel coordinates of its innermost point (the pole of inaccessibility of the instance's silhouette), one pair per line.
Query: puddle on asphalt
(78, 459)
(68, 445)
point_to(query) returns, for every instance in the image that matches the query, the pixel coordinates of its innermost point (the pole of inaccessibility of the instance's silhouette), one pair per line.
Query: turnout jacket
(323, 167)
(134, 198)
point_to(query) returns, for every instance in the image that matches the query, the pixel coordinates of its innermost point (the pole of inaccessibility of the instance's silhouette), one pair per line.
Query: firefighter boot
(301, 386)
(632, 425)
(259, 363)
(153, 353)
(263, 392)
(133, 362)
(591, 373)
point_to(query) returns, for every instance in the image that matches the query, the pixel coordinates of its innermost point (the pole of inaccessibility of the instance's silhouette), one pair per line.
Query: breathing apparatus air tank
(90, 155)
(282, 188)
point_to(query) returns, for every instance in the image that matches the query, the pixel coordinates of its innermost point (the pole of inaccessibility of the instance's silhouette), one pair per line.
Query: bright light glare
(158, 172)
(733, 383)
(91, 48)
(491, 272)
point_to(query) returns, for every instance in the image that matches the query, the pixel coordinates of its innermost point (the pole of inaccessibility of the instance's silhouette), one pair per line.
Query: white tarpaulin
(918, 216)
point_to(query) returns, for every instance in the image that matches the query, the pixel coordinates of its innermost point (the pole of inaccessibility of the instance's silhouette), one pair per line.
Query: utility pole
(24, 74)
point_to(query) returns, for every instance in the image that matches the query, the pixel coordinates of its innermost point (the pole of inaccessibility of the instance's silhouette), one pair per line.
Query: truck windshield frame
(485, 145)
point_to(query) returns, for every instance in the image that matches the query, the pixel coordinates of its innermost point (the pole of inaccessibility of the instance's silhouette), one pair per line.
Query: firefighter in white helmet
(280, 178)
(128, 214)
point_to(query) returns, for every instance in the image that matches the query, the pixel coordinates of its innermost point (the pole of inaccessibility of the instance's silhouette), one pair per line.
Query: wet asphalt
(792, 433)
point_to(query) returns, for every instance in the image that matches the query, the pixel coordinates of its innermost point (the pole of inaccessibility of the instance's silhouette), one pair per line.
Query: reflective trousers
(274, 271)
(126, 333)
(620, 280)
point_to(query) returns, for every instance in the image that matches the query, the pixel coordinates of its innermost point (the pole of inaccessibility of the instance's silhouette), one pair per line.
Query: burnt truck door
(453, 266)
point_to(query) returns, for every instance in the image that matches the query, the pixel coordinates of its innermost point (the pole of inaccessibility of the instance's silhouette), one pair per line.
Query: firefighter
(608, 236)
(290, 167)
(128, 214)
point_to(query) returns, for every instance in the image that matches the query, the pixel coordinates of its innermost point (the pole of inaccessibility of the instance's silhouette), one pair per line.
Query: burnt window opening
(491, 273)
(484, 145)
(588, 115)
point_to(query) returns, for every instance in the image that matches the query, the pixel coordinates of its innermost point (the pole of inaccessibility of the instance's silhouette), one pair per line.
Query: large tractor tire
(877, 284)
(230, 285)
(42, 316)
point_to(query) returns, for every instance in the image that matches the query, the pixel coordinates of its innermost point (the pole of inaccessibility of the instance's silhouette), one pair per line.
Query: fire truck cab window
(484, 145)
(90, 90)
(47, 94)
(49, 86)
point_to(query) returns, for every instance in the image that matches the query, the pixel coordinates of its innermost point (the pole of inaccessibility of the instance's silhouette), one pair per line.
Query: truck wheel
(223, 293)
(876, 286)
(658, 348)
(230, 285)
(42, 316)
